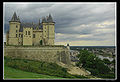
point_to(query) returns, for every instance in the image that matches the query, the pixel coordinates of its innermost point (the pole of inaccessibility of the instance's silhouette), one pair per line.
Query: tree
(91, 62)
(106, 61)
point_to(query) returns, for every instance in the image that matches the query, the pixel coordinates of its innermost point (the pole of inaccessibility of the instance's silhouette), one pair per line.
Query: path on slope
(74, 69)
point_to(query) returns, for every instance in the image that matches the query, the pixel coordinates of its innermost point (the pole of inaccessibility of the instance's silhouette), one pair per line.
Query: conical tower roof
(50, 18)
(15, 18)
(44, 19)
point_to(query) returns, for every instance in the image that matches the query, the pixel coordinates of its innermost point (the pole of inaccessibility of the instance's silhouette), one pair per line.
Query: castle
(42, 33)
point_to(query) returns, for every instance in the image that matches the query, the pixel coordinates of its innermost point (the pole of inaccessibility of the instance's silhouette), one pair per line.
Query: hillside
(11, 73)
(52, 70)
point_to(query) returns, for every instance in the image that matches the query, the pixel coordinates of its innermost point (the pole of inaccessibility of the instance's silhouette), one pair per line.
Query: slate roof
(28, 25)
(15, 18)
(44, 19)
(47, 19)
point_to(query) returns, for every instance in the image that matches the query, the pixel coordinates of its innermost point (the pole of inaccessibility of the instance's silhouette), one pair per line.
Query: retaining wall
(47, 54)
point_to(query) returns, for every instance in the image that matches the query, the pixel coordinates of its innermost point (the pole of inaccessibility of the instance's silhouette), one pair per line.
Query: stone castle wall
(47, 54)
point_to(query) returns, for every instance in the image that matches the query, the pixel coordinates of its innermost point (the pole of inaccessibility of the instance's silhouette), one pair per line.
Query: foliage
(113, 62)
(11, 73)
(106, 61)
(39, 67)
(92, 63)
(107, 76)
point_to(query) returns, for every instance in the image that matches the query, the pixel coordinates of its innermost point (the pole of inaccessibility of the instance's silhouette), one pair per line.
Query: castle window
(28, 32)
(16, 26)
(16, 35)
(21, 35)
(33, 35)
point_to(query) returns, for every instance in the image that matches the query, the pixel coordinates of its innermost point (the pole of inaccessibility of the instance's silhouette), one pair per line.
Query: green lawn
(11, 73)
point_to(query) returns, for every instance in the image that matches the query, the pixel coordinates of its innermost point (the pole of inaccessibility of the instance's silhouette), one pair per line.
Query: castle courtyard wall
(47, 54)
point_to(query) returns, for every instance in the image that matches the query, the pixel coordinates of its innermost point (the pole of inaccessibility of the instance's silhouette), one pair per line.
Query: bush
(107, 76)
(92, 63)
(106, 61)
(39, 67)
(93, 71)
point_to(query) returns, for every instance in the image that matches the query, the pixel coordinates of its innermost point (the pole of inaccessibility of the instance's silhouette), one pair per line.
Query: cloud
(4, 37)
(73, 22)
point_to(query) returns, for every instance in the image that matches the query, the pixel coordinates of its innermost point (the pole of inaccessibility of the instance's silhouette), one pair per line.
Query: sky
(79, 24)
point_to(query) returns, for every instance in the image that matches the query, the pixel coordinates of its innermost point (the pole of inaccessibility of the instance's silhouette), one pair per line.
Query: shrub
(92, 63)
(39, 67)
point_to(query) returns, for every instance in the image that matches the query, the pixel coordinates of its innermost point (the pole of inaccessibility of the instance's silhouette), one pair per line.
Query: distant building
(73, 55)
(29, 33)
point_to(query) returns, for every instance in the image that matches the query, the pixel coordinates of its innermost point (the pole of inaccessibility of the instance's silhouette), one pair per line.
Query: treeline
(39, 67)
(96, 66)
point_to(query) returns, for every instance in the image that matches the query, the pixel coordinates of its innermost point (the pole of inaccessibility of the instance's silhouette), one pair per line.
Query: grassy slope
(11, 73)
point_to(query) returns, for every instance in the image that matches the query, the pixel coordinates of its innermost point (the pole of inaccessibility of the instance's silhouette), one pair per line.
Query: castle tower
(45, 31)
(51, 30)
(14, 24)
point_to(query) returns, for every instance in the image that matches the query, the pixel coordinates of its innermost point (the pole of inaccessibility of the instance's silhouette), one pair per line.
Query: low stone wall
(47, 54)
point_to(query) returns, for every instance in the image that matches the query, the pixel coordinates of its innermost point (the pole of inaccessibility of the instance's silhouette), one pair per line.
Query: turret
(15, 18)
(44, 20)
(14, 24)
(50, 20)
(48, 30)
(51, 30)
